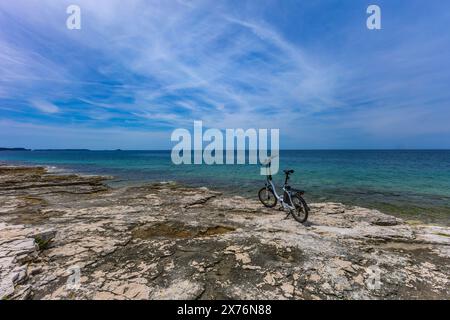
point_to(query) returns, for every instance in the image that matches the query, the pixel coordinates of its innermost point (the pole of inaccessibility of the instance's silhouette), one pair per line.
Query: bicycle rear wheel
(267, 197)
(301, 209)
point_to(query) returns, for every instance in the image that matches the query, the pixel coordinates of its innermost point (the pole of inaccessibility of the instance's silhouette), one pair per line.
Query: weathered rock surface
(72, 237)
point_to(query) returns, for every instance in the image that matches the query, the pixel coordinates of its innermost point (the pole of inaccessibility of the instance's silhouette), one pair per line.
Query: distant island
(24, 149)
(61, 150)
(47, 150)
(14, 149)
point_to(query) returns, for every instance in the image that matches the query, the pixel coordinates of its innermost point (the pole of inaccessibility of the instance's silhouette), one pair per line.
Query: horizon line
(287, 149)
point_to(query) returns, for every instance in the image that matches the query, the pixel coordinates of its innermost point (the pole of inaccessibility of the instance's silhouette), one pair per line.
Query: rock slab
(73, 237)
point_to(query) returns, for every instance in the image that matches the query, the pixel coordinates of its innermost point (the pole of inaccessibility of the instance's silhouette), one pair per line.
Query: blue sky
(139, 69)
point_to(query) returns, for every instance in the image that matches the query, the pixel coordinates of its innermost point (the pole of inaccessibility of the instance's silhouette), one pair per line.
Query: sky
(139, 69)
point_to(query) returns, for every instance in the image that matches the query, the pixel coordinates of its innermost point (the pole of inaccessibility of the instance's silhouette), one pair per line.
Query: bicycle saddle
(288, 171)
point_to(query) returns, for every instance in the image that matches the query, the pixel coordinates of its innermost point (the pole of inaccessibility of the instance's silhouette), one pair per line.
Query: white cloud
(197, 51)
(166, 63)
(44, 106)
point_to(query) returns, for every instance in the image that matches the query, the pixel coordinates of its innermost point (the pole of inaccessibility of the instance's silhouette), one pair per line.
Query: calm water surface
(411, 184)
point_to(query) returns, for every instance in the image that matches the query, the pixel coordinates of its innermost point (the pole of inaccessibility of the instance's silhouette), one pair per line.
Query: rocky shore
(73, 237)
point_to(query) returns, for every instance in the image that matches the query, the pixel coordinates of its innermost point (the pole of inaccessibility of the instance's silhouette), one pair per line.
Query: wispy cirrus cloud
(166, 55)
(158, 65)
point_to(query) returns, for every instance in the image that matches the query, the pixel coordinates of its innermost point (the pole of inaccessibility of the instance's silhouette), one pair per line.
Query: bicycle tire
(301, 211)
(267, 197)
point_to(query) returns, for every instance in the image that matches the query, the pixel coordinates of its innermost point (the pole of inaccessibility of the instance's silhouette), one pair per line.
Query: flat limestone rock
(72, 237)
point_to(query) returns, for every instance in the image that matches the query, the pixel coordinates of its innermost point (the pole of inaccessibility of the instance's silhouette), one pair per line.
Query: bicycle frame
(270, 184)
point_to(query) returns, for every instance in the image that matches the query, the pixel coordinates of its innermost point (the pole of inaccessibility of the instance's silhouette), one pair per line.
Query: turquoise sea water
(412, 184)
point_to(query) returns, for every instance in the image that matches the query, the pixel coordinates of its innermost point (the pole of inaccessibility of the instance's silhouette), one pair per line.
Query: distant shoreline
(14, 149)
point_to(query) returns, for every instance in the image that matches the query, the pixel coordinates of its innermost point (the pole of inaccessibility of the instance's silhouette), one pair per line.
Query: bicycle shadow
(308, 224)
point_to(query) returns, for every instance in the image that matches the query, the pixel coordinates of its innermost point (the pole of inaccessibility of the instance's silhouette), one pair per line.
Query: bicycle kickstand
(287, 216)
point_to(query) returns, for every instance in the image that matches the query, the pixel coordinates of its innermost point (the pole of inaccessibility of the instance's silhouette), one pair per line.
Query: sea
(411, 184)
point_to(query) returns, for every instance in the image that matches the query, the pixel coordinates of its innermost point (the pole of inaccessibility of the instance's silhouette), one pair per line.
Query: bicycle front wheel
(267, 197)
